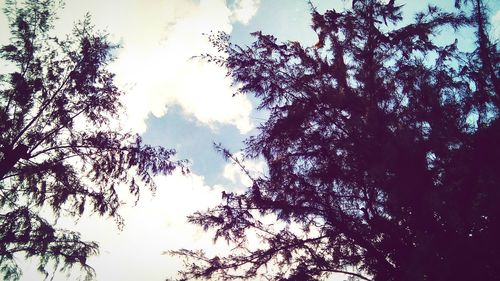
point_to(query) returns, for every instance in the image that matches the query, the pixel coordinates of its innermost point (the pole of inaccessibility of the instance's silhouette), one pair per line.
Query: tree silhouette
(484, 47)
(382, 153)
(59, 153)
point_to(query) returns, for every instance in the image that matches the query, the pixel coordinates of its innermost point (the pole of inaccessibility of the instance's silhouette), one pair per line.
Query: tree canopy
(382, 152)
(60, 154)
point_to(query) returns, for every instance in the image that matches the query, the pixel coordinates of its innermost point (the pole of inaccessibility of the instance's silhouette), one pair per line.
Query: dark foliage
(382, 146)
(59, 154)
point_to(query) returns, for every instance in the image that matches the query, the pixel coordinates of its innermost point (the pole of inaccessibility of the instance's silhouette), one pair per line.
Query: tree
(381, 145)
(59, 153)
(484, 47)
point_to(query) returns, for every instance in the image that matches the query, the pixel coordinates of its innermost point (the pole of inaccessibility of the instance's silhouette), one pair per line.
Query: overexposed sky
(177, 101)
(155, 65)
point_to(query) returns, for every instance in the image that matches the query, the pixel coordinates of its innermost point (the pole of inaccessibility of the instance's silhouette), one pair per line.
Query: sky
(177, 101)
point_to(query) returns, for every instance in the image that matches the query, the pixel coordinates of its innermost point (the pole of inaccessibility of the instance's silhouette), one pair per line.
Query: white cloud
(157, 71)
(158, 224)
(244, 10)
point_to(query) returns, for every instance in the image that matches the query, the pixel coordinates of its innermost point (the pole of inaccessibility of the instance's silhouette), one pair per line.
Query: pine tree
(59, 154)
(380, 144)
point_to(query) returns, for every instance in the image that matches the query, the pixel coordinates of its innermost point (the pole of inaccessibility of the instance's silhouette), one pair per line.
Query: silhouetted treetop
(60, 152)
(382, 153)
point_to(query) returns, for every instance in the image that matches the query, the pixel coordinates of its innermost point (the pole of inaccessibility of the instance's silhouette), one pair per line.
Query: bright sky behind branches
(176, 101)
